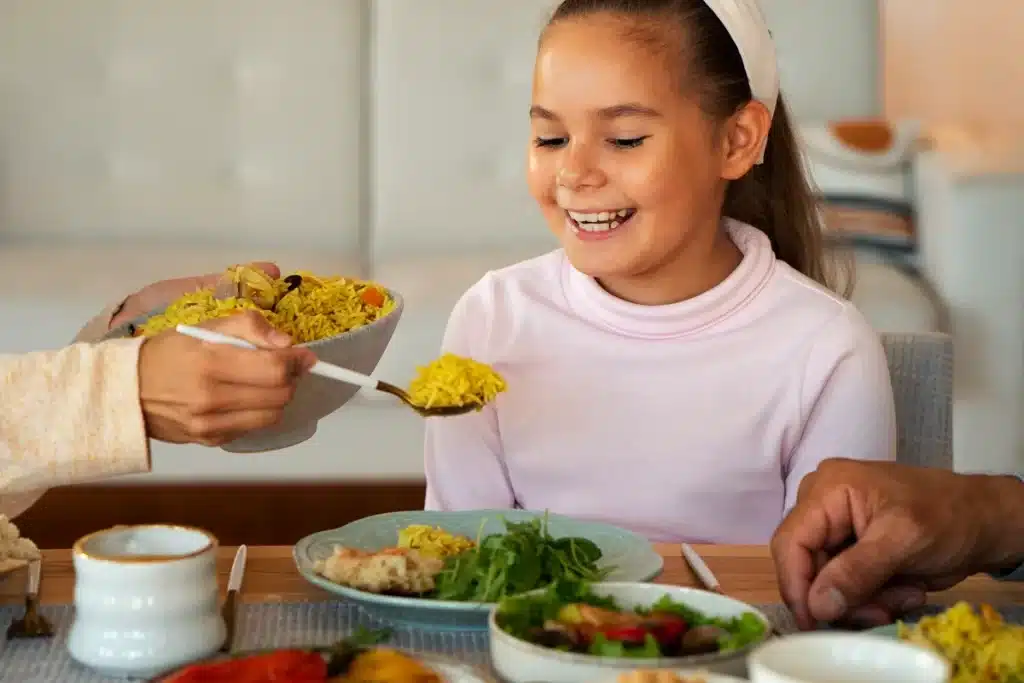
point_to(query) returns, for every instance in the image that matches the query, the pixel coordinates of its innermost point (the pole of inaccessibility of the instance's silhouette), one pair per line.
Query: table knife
(230, 609)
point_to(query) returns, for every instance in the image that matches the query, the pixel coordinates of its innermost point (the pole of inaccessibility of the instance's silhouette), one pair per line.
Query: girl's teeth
(598, 227)
(597, 218)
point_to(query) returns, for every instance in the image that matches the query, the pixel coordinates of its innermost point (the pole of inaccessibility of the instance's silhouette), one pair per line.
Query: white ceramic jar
(146, 599)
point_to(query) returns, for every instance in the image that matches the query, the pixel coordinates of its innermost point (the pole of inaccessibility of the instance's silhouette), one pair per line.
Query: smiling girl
(681, 363)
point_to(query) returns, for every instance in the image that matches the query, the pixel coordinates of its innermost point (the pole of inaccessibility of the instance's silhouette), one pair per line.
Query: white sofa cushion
(199, 122)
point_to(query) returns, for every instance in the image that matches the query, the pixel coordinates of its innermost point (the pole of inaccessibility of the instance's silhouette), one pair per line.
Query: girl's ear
(745, 132)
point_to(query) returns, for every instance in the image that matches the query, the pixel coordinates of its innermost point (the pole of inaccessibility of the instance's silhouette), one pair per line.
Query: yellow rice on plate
(433, 541)
(308, 307)
(454, 381)
(980, 646)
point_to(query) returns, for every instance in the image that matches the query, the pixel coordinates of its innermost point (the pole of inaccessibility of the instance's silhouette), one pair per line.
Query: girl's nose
(576, 171)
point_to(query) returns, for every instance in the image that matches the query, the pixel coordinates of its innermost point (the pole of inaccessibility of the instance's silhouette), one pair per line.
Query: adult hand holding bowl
(192, 392)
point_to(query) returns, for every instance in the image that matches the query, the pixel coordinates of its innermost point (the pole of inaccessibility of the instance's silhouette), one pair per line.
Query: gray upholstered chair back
(921, 366)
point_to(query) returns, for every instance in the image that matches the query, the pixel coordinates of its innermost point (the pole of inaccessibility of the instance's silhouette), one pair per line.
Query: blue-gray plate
(631, 557)
(888, 631)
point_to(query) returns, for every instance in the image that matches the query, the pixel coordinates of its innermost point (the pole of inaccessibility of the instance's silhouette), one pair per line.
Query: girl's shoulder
(818, 314)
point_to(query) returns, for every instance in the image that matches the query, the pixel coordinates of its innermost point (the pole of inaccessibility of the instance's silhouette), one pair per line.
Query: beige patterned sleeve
(67, 417)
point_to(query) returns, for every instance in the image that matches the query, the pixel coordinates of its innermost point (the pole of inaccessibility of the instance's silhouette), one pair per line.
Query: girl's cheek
(540, 176)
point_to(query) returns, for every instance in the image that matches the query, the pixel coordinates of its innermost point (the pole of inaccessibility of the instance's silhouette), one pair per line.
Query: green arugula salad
(570, 617)
(524, 558)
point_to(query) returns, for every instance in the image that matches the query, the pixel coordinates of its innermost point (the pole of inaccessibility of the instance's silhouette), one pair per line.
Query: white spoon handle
(328, 370)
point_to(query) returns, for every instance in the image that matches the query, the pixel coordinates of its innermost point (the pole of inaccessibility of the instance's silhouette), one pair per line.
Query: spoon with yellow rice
(450, 385)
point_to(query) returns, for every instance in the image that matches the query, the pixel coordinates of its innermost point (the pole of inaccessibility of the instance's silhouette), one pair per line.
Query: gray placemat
(260, 625)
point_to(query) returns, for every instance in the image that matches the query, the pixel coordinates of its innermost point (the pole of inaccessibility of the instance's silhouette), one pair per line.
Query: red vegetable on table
(281, 666)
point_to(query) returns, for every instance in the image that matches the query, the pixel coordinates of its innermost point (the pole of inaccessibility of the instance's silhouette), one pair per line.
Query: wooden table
(745, 572)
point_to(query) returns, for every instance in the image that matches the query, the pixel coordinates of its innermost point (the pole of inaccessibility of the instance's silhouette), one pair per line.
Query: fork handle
(336, 372)
(230, 613)
(328, 370)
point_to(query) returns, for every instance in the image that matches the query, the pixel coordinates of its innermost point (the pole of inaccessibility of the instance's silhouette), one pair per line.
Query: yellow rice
(320, 307)
(433, 541)
(979, 646)
(454, 381)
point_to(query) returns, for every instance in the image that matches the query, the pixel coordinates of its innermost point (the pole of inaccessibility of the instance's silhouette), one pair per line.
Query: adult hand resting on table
(195, 392)
(914, 529)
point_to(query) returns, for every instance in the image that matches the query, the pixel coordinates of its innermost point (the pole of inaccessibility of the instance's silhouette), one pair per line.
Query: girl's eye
(628, 143)
(549, 142)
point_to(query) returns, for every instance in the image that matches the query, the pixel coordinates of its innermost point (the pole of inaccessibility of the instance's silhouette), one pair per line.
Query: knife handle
(228, 611)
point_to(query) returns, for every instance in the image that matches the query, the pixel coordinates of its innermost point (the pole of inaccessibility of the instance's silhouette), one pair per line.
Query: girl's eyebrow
(538, 112)
(613, 112)
(628, 109)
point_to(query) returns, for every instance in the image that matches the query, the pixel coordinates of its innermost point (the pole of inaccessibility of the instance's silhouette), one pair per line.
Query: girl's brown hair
(774, 196)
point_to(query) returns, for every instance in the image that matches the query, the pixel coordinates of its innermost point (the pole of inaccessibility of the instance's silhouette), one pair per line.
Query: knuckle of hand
(204, 399)
(279, 371)
(202, 429)
(204, 361)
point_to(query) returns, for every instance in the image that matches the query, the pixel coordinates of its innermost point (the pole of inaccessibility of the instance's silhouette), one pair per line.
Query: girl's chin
(607, 265)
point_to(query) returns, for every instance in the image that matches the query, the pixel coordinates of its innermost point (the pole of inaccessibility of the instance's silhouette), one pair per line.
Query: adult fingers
(795, 564)
(251, 327)
(946, 581)
(854, 576)
(227, 398)
(258, 368)
(801, 546)
(216, 429)
(889, 604)
(211, 279)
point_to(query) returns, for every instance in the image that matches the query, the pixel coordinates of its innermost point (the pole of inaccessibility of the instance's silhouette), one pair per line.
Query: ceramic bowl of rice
(345, 321)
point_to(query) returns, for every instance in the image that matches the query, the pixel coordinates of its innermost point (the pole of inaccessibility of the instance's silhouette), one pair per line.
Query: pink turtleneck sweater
(691, 422)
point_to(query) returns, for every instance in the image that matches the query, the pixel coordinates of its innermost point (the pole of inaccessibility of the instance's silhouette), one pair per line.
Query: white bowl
(518, 661)
(834, 657)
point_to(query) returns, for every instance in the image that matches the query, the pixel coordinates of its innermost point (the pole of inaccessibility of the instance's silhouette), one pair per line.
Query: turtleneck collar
(591, 302)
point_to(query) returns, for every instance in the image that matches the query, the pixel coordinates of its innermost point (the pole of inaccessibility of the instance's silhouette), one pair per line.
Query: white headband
(744, 20)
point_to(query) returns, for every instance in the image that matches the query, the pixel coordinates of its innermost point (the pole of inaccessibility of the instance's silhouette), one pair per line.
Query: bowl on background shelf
(315, 397)
(520, 661)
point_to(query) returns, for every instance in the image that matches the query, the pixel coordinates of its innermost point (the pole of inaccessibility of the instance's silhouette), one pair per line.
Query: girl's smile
(597, 224)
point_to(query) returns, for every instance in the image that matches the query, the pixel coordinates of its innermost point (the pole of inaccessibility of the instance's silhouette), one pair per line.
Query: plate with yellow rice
(982, 645)
(447, 570)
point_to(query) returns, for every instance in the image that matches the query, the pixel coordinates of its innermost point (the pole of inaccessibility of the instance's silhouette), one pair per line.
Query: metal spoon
(33, 624)
(335, 372)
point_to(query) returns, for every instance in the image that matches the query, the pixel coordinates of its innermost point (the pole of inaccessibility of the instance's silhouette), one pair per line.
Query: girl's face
(627, 170)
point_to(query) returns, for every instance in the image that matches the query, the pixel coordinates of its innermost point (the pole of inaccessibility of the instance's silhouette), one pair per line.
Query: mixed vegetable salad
(569, 616)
